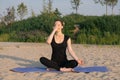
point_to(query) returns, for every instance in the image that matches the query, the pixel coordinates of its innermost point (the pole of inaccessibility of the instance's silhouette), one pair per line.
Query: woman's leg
(70, 64)
(49, 63)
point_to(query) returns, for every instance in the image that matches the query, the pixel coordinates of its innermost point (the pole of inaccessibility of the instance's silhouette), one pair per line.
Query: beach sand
(14, 55)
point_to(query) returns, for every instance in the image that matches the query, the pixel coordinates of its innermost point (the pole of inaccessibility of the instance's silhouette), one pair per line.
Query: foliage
(75, 4)
(102, 30)
(22, 10)
(93, 29)
(4, 37)
(9, 17)
(111, 3)
(47, 6)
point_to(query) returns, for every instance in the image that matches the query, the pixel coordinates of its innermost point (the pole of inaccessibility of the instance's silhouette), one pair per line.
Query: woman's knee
(71, 64)
(74, 63)
(42, 59)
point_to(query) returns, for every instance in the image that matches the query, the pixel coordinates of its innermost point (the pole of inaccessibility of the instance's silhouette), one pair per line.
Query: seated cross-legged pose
(59, 43)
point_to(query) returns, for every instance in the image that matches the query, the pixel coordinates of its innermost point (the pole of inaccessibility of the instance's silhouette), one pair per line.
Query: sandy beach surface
(14, 54)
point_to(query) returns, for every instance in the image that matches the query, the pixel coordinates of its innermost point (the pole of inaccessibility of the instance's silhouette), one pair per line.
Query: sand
(14, 55)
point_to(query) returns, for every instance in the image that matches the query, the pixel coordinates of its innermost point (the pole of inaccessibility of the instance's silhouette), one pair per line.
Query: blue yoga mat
(76, 69)
(91, 69)
(31, 69)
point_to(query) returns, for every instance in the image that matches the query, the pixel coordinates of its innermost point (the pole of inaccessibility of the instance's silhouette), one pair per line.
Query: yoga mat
(76, 69)
(31, 69)
(91, 69)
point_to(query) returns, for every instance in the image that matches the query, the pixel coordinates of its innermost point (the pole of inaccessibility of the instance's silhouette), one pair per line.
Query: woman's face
(59, 25)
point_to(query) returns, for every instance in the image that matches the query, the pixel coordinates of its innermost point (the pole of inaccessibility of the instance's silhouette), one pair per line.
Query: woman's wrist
(80, 61)
(77, 59)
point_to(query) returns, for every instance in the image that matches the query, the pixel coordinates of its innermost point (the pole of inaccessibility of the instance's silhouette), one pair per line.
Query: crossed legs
(67, 66)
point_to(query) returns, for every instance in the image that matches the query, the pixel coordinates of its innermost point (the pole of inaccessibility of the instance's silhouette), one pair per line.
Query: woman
(59, 43)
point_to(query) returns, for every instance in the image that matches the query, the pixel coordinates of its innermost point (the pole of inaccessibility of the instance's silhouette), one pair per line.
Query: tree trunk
(112, 11)
(76, 10)
(106, 9)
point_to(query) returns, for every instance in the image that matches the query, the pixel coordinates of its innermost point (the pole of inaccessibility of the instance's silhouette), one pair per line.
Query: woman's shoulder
(67, 37)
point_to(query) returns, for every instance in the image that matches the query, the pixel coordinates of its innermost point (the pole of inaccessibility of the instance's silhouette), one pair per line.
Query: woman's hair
(60, 21)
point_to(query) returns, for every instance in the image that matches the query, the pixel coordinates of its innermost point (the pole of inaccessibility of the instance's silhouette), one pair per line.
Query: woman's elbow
(48, 42)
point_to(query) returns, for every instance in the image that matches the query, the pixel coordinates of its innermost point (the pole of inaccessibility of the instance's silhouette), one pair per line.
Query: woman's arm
(72, 52)
(50, 37)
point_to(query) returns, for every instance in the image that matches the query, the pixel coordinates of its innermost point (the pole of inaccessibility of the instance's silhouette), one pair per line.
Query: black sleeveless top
(59, 50)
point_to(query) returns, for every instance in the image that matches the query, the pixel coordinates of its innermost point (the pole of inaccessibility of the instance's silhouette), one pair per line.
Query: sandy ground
(14, 55)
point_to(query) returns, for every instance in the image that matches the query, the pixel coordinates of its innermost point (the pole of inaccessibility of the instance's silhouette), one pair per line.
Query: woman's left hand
(80, 61)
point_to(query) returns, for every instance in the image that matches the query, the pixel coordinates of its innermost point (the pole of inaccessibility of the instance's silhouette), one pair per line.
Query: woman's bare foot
(50, 69)
(66, 69)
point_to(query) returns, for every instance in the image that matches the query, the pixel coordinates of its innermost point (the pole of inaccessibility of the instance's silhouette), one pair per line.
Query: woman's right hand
(55, 28)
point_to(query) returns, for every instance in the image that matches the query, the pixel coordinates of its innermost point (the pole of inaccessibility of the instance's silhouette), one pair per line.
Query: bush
(93, 29)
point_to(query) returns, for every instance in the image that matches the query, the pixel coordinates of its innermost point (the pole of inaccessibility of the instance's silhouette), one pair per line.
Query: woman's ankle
(66, 69)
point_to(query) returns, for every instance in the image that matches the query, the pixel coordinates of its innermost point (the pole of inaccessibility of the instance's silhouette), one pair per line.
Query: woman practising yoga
(59, 43)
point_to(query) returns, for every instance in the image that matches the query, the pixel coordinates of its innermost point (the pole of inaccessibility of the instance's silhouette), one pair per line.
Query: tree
(75, 4)
(57, 12)
(119, 11)
(32, 13)
(112, 4)
(10, 17)
(22, 10)
(44, 6)
(47, 6)
(12, 14)
(103, 2)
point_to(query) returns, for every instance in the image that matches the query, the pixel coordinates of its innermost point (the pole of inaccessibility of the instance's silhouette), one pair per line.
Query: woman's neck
(59, 33)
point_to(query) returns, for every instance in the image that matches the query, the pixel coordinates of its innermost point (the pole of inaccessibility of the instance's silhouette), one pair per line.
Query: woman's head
(58, 20)
(59, 24)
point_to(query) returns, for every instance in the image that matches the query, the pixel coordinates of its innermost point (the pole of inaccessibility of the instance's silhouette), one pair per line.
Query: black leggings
(52, 64)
